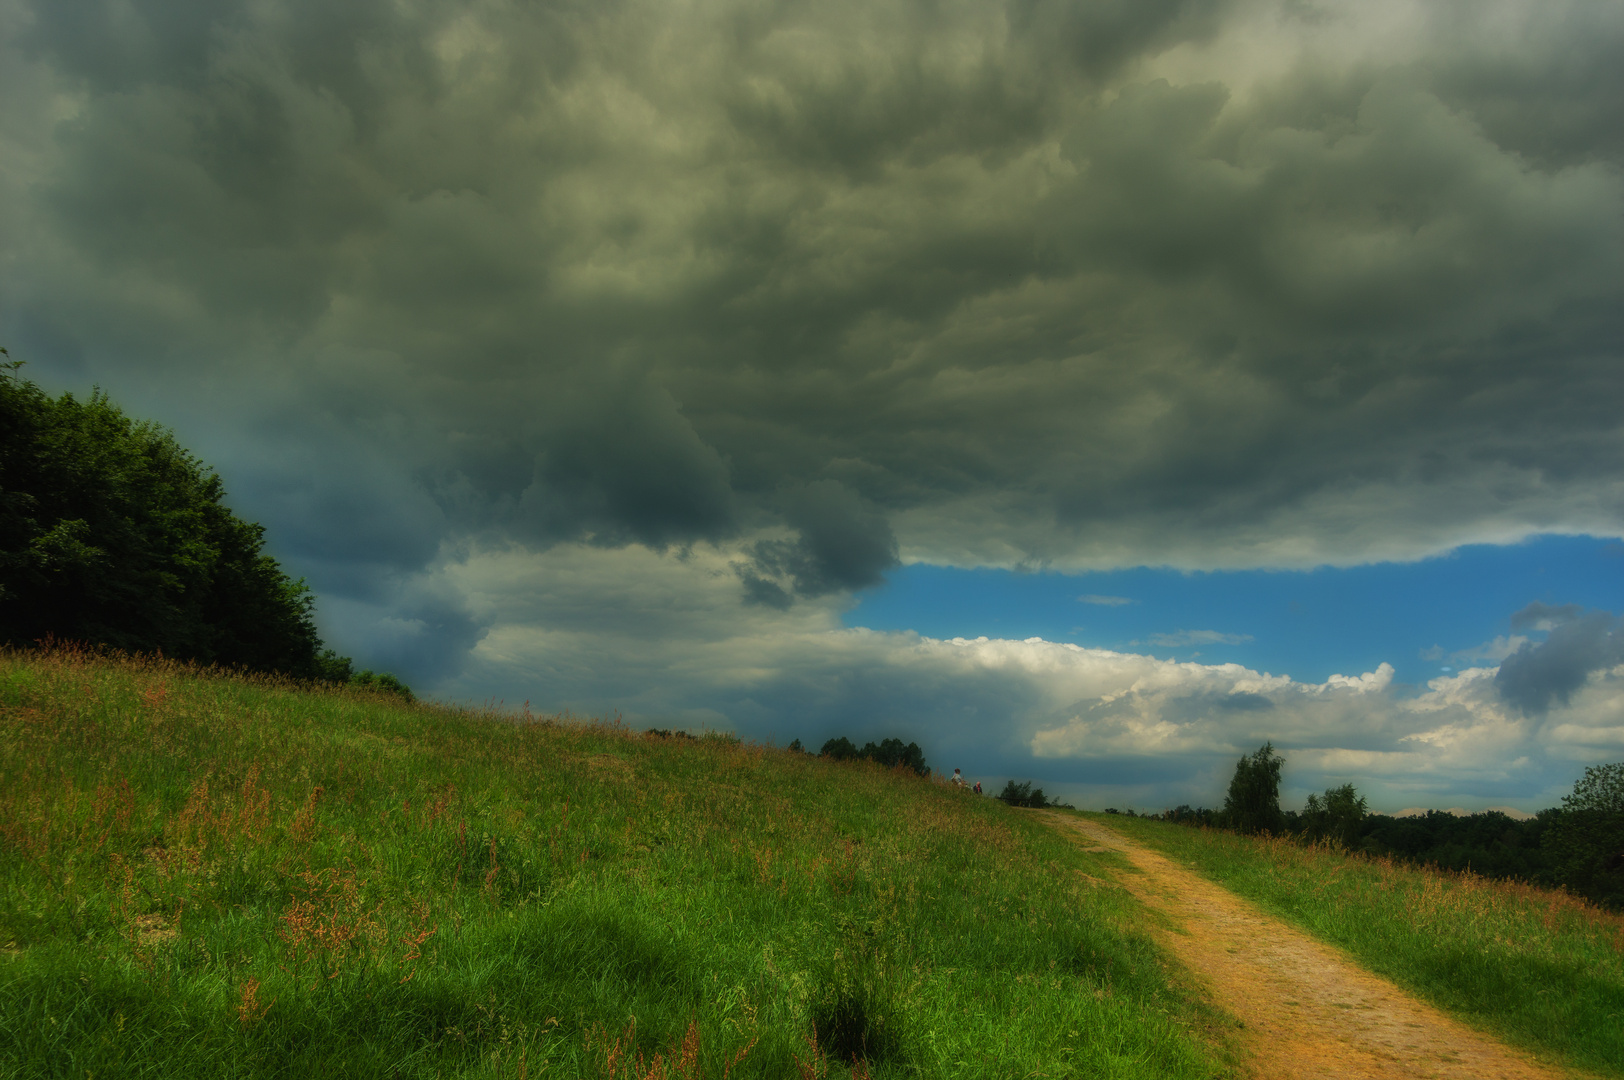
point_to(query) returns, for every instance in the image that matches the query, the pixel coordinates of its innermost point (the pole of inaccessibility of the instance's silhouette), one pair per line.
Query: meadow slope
(213, 876)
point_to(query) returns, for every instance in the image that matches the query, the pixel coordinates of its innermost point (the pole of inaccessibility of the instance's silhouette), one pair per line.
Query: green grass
(1540, 968)
(204, 876)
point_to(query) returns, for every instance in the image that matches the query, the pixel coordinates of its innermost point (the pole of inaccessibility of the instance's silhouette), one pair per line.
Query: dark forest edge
(1578, 846)
(115, 536)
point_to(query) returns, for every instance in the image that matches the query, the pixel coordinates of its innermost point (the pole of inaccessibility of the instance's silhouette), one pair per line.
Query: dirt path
(1308, 1011)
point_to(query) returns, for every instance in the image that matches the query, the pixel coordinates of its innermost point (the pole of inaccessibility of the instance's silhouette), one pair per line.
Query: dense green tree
(1586, 837)
(1253, 802)
(888, 752)
(892, 752)
(1488, 842)
(841, 749)
(111, 533)
(1339, 816)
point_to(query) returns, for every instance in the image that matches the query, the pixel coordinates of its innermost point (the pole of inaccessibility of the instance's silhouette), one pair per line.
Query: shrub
(1023, 794)
(385, 682)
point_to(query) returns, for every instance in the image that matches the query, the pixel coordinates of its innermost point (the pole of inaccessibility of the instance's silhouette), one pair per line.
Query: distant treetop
(888, 752)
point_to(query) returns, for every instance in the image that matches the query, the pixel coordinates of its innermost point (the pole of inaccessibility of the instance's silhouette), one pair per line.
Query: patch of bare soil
(1308, 1012)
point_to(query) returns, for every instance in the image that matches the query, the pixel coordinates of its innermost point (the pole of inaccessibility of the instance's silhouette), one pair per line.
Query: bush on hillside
(331, 667)
(384, 682)
(1253, 802)
(1023, 794)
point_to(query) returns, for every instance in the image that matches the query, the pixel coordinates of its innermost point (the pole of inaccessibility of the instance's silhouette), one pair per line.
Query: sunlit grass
(1537, 966)
(210, 876)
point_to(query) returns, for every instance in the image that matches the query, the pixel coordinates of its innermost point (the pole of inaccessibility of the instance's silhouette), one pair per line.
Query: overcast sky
(745, 364)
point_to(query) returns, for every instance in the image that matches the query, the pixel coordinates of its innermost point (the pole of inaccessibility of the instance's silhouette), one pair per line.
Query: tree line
(890, 753)
(112, 534)
(1578, 846)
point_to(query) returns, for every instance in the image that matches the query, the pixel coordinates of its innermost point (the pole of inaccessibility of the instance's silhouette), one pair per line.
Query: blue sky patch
(1425, 618)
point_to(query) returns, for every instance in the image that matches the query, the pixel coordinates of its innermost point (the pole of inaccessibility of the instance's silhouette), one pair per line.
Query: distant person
(978, 787)
(958, 780)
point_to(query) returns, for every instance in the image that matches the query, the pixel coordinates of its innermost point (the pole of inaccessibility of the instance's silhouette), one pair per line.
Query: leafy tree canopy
(841, 749)
(887, 752)
(1586, 837)
(1338, 816)
(1601, 789)
(111, 533)
(1253, 802)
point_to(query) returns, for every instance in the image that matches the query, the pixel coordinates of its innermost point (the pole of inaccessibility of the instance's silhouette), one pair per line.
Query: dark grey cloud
(115, 46)
(1086, 283)
(353, 508)
(1540, 674)
(626, 466)
(844, 544)
(1559, 101)
(412, 626)
(1540, 616)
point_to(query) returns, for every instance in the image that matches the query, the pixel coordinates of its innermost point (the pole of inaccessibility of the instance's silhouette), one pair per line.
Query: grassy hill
(203, 875)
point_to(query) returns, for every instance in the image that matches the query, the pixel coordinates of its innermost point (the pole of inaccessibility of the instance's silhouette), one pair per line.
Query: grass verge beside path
(1539, 968)
(206, 876)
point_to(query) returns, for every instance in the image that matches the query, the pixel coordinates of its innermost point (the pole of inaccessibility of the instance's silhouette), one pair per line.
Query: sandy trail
(1309, 1012)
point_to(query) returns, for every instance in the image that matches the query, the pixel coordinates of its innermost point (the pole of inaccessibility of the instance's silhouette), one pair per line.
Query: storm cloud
(801, 292)
(843, 545)
(1580, 643)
